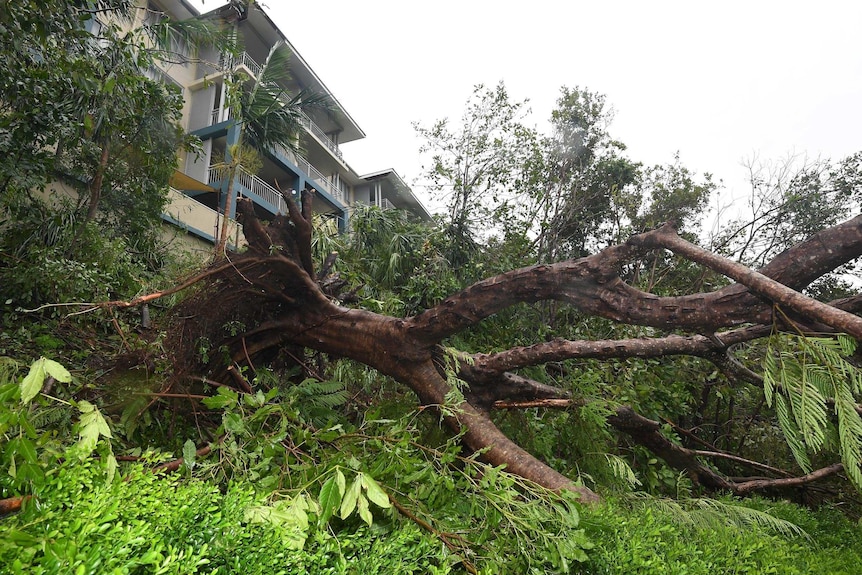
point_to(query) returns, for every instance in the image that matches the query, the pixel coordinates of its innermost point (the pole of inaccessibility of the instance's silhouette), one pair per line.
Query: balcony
(255, 185)
(317, 132)
(158, 75)
(315, 174)
(229, 62)
(221, 115)
(198, 219)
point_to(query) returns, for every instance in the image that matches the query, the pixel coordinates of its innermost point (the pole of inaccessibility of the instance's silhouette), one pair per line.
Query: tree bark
(273, 290)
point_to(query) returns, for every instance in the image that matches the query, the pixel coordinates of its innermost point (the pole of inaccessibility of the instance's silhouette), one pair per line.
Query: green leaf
(189, 453)
(91, 427)
(329, 499)
(339, 479)
(26, 449)
(224, 398)
(110, 467)
(348, 504)
(32, 384)
(375, 492)
(364, 511)
(233, 423)
(57, 371)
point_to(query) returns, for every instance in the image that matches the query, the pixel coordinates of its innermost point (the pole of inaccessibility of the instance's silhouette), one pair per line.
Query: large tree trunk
(274, 291)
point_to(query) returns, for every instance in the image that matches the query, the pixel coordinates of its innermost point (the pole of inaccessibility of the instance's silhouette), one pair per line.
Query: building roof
(401, 189)
(262, 24)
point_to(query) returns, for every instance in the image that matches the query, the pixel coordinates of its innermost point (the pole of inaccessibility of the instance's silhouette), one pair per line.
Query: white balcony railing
(386, 204)
(159, 75)
(315, 130)
(243, 59)
(305, 122)
(315, 174)
(255, 185)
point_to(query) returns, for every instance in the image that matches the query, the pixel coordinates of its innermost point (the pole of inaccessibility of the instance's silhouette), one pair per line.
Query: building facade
(198, 190)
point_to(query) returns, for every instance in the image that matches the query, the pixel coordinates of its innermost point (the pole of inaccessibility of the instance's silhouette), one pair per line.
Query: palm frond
(707, 514)
(270, 115)
(802, 376)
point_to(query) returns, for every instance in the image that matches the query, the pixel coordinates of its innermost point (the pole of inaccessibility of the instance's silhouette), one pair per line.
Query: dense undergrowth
(292, 487)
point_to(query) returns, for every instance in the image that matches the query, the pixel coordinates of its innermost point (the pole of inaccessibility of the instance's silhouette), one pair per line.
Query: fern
(621, 470)
(315, 393)
(802, 376)
(708, 514)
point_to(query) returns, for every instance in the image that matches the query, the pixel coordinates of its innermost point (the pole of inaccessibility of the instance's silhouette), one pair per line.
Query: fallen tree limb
(273, 291)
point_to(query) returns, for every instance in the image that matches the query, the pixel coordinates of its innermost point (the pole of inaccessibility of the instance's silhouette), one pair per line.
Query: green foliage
(802, 376)
(152, 523)
(585, 183)
(344, 476)
(705, 514)
(389, 245)
(708, 537)
(479, 168)
(790, 200)
(80, 111)
(35, 437)
(45, 257)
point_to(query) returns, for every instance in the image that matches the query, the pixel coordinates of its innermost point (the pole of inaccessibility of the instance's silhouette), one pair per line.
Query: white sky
(719, 82)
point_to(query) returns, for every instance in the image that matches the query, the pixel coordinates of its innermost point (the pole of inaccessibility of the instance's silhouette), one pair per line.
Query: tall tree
(479, 167)
(586, 177)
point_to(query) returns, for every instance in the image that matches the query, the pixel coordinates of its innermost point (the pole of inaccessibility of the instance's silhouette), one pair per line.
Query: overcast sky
(720, 83)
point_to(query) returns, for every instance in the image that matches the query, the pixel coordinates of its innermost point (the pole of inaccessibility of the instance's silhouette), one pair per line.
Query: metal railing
(315, 130)
(303, 164)
(386, 204)
(242, 59)
(304, 121)
(253, 184)
(248, 62)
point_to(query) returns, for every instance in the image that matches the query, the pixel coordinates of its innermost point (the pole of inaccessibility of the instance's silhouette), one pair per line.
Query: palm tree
(266, 116)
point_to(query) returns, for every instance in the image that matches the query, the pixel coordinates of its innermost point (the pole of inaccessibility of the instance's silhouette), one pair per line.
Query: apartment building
(199, 191)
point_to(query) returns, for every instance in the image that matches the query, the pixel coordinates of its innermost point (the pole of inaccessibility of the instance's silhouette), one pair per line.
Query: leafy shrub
(649, 539)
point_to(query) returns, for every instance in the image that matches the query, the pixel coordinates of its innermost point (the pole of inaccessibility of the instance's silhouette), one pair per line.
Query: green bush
(154, 523)
(646, 539)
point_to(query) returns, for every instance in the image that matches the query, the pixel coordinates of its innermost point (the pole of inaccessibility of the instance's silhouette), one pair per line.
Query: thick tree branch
(273, 291)
(666, 237)
(593, 286)
(486, 365)
(747, 487)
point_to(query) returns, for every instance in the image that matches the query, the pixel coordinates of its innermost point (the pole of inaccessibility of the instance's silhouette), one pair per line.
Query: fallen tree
(281, 302)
